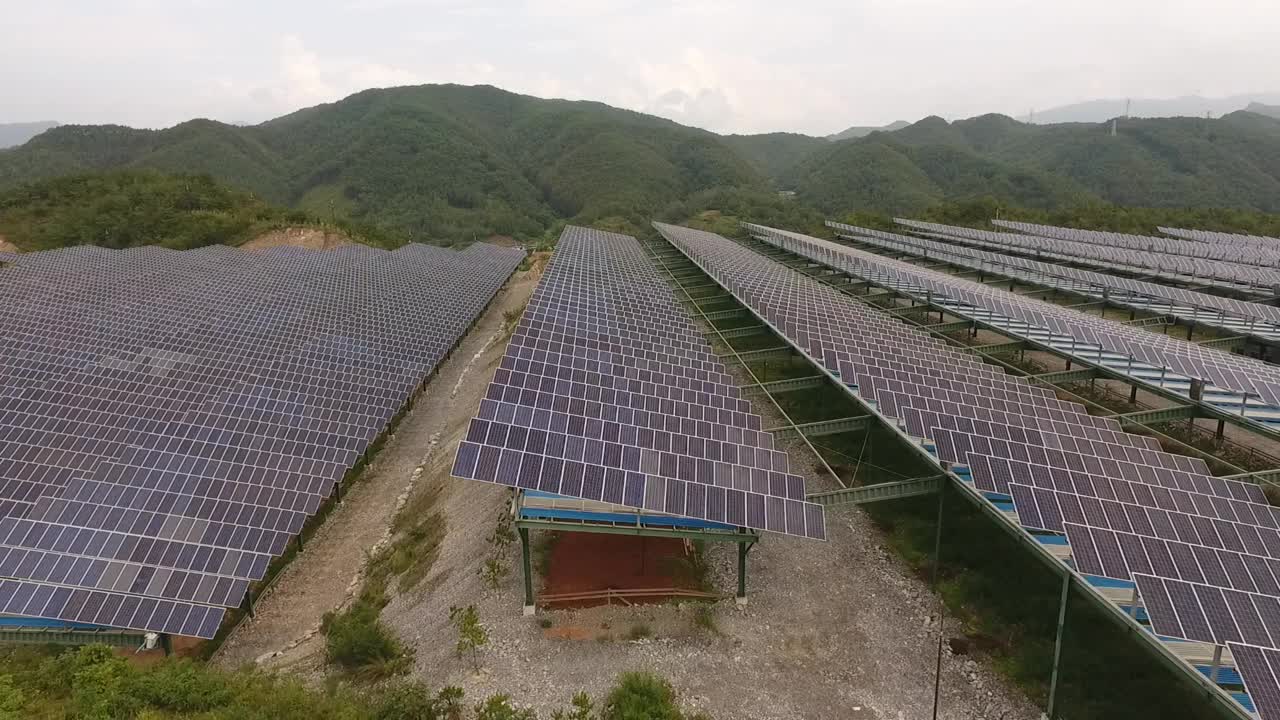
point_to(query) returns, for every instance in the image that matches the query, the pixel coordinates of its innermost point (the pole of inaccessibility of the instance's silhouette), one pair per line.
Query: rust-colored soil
(586, 562)
(502, 241)
(303, 237)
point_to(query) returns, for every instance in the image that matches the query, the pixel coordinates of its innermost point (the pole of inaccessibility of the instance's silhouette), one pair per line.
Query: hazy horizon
(817, 68)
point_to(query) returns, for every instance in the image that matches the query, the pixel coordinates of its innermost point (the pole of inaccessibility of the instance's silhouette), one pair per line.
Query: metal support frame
(793, 385)
(828, 427)
(744, 547)
(530, 607)
(1057, 643)
(878, 492)
(1064, 377)
(1110, 610)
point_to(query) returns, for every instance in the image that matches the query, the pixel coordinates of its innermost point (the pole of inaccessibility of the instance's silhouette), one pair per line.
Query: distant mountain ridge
(14, 134)
(453, 163)
(1096, 111)
(863, 131)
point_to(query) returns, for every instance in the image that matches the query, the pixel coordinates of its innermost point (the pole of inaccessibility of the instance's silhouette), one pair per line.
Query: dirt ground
(303, 237)
(326, 574)
(580, 562)
(835, 629)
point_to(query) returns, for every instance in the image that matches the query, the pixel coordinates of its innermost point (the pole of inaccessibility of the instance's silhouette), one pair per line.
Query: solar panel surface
(608, 392)
(169, 420)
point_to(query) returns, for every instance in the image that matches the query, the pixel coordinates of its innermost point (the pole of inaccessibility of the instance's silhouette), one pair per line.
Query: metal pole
(743, 546)
(1057, 643)
(942, 606)
(1217, 663)
(529, 607)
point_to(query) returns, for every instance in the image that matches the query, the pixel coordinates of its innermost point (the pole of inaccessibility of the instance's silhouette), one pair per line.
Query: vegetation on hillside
(1231, 162)
(434, 163)
(130, 208)
(445, 163)
(94, 682)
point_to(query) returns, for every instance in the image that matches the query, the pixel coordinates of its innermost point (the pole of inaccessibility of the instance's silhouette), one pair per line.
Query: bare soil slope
(303, 237)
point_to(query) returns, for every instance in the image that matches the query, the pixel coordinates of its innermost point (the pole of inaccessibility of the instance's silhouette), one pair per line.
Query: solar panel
(1260, 670)
(169, 420)
(608, 392)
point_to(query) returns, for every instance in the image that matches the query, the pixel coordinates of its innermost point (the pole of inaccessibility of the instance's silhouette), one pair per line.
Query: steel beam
(1159, 415)
(828, 427)
(725, 314)
(996, 348)
(1229, 343)
(793, 385)
(776, 353)
(739, 332)
(1064, 377)
(950, 327)
(878, 492)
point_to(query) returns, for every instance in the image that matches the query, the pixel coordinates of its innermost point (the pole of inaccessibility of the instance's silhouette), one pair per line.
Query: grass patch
(639, 631)
(704, 618)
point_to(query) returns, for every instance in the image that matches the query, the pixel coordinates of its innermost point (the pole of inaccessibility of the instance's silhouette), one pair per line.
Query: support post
(1217, 663)
(743, 547)
(1057, 643)
(299, 543)
(1133, 395)
(247, 605)
(166, 644)
(942, 606)
(1190, 327)
(529, 606)
(337, 490)
(1221, 428)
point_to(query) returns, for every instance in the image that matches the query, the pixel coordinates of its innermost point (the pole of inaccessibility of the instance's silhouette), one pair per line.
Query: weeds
(639, 631)
(472, 635)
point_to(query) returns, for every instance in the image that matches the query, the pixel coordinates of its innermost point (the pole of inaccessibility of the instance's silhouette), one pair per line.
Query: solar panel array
(1231, 314)
(1263, 242)
(1235, 253)
(169, 420)
(1146, 262)
(1237, 374)
(608, 392)
(1129, 510)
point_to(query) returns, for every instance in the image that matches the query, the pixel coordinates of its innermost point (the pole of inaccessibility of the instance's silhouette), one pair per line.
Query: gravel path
(325, 575)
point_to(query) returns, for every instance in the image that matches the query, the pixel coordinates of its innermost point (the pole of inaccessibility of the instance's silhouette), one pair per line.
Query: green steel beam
(950, 327)
(725, 314)
(1087, 305)
(1066, 376)
(996, 348)
(739, 332)
(792, 385)
(781, 352)
(1146, 417)
(829, 427)
(1230, 343)
(877, 493)
(701, 287)
(639, 530)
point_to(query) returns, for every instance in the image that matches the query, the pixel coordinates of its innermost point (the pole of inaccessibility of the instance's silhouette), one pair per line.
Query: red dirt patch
(587, 562)
(303, 237)
(502, 241)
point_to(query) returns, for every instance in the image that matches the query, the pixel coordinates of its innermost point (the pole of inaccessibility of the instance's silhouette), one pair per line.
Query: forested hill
(1231, 162)
(437, 162)
(451, 163)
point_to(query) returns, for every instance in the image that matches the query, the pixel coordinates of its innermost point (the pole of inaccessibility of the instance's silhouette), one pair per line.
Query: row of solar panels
(608, 392)
(169, 420)
(1203, 552)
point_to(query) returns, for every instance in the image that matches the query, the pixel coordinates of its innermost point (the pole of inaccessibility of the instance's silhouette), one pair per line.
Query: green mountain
(1231, 162)
(439, 162)
(1268, 110)
(774, 154)
(448, 163)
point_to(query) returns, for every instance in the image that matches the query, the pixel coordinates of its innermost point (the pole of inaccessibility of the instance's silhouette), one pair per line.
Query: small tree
(471, 633)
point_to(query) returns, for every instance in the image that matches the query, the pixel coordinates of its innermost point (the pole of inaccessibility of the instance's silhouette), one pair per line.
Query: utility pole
(1127, 103)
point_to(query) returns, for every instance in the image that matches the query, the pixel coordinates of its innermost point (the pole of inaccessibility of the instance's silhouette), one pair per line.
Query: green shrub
(499, 707)
(181, 686)
(12, 699)
(357, 640)
(641, 696)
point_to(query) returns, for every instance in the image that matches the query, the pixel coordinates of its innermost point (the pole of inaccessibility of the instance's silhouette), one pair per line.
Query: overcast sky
(814, 66)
